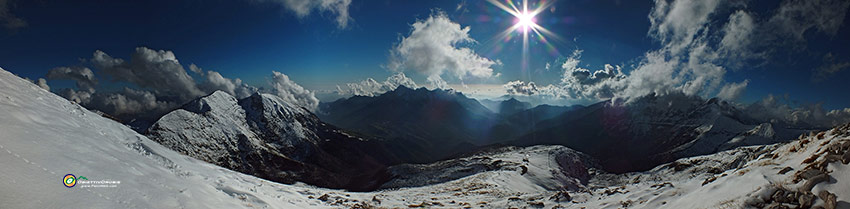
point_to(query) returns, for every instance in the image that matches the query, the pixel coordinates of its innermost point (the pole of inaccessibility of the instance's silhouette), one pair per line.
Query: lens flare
(525, 23)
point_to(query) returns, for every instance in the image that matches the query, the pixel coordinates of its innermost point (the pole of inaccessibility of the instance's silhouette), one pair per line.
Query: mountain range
(46, 137)
(263, 136)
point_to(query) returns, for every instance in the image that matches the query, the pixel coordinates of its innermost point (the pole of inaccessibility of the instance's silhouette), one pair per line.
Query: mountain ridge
(264, 136)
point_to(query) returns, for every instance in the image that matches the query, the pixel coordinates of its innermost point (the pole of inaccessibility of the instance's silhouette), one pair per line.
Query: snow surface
(43, 137)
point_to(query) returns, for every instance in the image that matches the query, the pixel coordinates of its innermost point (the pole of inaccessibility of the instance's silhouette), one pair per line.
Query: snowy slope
(745, 177)
(264, 136)
(43, 137)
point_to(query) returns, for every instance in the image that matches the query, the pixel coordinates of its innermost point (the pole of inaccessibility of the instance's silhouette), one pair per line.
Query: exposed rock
(561, 196)
(785, 170)
(811, 182)
(828, 198)
(709, 180)
(806, 200)
(537, 204)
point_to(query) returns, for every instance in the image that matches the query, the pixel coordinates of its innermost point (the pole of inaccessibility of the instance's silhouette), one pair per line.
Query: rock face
(263, 136)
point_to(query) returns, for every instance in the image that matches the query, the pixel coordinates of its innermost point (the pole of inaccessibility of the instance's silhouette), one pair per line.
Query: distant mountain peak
(215, 100)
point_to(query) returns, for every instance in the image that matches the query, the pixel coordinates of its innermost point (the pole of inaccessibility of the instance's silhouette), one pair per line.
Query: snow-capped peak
(261, 135)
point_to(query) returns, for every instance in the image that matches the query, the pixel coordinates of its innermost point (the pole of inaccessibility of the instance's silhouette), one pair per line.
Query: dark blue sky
(249, 39)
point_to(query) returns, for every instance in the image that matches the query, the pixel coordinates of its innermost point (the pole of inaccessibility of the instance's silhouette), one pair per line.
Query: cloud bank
(155, 82)
(699, 42)
(371, 87)
(434, 48)
(293, 93)
(83, 76)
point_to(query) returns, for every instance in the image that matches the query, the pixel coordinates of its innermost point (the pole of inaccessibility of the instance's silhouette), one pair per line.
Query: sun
(525, 24)
(525, 21)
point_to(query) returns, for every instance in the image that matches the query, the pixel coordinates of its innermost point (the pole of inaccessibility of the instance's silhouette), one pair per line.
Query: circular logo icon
(70, 180)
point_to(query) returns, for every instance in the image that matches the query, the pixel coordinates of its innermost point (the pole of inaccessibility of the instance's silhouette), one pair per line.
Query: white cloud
(293, 93)
(159, 84)
(732, 91)
(433, 48)
(9, 20)
(371, 87)
(737, 37)
(156, 69)
(129, 103)
(521, 88)
(42, 84)
(83, 76)
(215, 81)
(795, 17)
(685, 62)
(195, 69)
(303, 8)
(82, 96)
(579, 82)
(678, 23)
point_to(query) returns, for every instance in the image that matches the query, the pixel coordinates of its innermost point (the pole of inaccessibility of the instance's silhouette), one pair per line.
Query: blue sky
(250, 39)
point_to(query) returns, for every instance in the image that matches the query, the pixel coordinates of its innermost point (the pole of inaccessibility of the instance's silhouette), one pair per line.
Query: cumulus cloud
(686, 62)
(577, 83)
(434, 47)
(215, 81)
(521, 88)
(9, 20)
(371, 87)
(131, 102)
(303, 8)
(582, 83)
(42, 84)
(155, 69)
(698, 45)
(156, 83)
(78, 96)
(678, 23)
(732, 91)
(83, 76)
(293, 93)
(195, 69)
(737, 38)
(689, 61)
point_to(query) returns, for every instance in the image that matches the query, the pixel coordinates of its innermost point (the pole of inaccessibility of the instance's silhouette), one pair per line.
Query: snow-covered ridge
(810, 171)
(264, 136)
(782, 175)
(44, 136)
